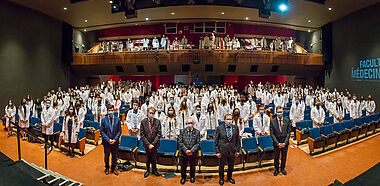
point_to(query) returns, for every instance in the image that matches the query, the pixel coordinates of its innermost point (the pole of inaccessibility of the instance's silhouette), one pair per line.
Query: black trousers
(151, 158)
(294, 131)
(277, 151)
(110, 149)
(192, 161)
(230, 162)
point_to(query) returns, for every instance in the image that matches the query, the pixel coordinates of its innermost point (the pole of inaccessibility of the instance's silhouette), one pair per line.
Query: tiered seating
(329, 135)
(250, 150)
(342, 133)
(363, 128)
(207, 154)
(353, 131)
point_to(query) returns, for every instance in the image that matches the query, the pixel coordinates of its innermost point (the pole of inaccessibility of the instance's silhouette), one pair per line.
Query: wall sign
(368, 69)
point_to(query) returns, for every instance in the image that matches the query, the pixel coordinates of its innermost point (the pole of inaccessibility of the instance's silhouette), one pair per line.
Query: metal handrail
(46, 144)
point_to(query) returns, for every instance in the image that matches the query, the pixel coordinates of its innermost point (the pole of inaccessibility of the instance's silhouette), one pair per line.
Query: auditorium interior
(74, 71)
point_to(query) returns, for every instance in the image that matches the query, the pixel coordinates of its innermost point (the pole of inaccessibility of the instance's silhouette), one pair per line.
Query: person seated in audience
(370, 106)
(70, 129)
(133, 120)
(10, 115)
(317, 114)
(261, 122)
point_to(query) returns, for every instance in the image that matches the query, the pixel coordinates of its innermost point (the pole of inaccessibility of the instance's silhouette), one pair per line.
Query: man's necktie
(229, 133)
(150, 126)
(280, 125)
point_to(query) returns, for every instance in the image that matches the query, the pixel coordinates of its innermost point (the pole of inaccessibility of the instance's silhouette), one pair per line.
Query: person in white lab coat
(338, 111)
(355, 111)
(24, 114)
(155, 43)
(99, 110)
(223, 109)
(211, 117)
(238, 121)
(160, 115)
(47, 120)
(182, 116)
(170, 130)
(296, 113)
(163, 42)
(145, 42)
(70, 129)
(116, 104)
(133, 119)
(10, 115)
(317, 114)
(200, 121)
(370, 106)
(261, 123)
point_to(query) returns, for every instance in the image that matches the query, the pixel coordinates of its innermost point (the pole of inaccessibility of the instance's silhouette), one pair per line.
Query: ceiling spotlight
(246, 18)
(309, 21)
(136, 24)
(147, 19)
(65, 8)
(111, 2)
(85, 20)
(283, 7)
(172, 13)
(222, 13)
(330, 8)
(85, 30)
(308, 30)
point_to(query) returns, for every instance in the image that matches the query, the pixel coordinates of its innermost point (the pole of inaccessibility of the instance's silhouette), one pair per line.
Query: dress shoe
(231, 180)
(72, 155)
(116, 172)
(156, 173)
(221, 182)
(283, 172)
(275, 173)
(183, 180)
(192, 179)
(146, 174)
(107, 171)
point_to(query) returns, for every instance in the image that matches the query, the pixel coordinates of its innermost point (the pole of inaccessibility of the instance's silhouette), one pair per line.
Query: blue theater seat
(329, 120)
(93, 134)
(127, 148)
(330, 136)
(250, 150)
(347, 117)
(343, 133)
(266, 148)
(353, 131)
(34, 121)
(140, 154)
(208, 154)
(221, 123)
(168, 152)
(81, 144)
(315, 140)
(363, 128)
(210, 133)
(307, 117)
(302, 130)
(61, 119)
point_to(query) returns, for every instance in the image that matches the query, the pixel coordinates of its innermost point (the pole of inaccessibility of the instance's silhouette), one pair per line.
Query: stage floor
(344, 165)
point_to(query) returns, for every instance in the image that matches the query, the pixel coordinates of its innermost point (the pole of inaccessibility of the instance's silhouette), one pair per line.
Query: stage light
(85, 30)
(147, 19)
(283, 7)
(65, 8)
(222, 13)
(172, 13)
(246, 18)
(309, 21)
(308, 30)
(330, 9)
(85, 20)
(111, 2)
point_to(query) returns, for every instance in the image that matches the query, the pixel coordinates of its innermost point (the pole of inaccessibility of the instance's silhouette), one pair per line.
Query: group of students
(209, 41)
(206, 105)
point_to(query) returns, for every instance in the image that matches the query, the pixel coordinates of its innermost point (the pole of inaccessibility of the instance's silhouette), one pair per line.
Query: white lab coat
(250, 107)
(296, 113)
(47, 120)
(317, 115)
(160, 117)
(211, 120)
(74, 129)
(239, 123)
(261, 123)
(155, 43)
(24, 116)
(338, 112)
(223, 110)
(370, 107)
(98, 116)
(181, 120)
(10, 113)
(170, 130)
(134, 119)
(355, 111)
(200, 124)
(81, 116)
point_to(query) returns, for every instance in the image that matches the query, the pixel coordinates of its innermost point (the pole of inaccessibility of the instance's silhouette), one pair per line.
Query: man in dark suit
(150, 131)
(280, 129)
(227, 146)
(188, 143)
(110, 131)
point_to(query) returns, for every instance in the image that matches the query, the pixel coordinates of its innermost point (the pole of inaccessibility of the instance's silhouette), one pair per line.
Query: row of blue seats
(132, 149)
(342, 132)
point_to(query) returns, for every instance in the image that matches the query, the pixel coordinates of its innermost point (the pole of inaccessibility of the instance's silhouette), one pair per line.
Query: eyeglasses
(189, 123)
